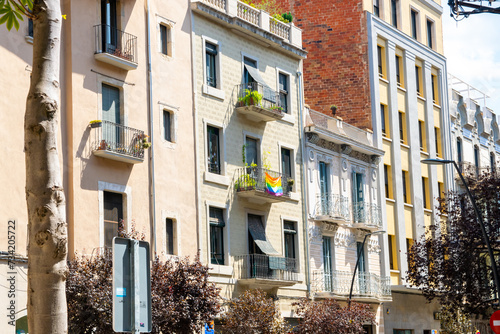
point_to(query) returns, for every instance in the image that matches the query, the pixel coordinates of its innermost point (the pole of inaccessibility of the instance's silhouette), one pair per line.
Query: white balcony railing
(332, 207)
(339, 283)
(234, 8)
(366, 214)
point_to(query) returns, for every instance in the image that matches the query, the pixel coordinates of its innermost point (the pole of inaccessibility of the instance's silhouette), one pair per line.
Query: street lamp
(357, 264)
(479, 217)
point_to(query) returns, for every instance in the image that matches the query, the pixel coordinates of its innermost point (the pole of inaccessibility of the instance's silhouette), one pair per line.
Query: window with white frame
(170, 236)
(212, 74)
(167, 125)
(284, 91)
(217, 225)
(214, 149)
(165, 33)
(290, 239)
(113, 216)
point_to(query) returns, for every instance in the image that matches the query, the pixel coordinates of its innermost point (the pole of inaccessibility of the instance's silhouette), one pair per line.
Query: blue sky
(472, 49)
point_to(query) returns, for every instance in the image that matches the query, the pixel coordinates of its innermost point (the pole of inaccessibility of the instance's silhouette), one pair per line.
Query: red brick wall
(336, 69)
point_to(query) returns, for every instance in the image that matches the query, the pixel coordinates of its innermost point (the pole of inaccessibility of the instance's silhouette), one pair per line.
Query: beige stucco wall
(221, 193)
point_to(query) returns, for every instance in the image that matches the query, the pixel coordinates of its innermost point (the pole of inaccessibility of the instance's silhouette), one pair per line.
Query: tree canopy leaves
(450, 262)
(13, 11)
(329, 316)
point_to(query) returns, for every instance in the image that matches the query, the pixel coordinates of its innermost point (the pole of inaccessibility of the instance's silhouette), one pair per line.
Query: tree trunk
(47, 247)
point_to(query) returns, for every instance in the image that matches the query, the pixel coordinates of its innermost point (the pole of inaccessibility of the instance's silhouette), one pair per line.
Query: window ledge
(394, 271)
(294, 196)
(405, 146)
(28, 39)
(401, 88)
(216, 269)
(216, 178)
(169, 144)
(408, 205)
(390, 200)
(424, 153)
(427, 210)
(288, 118)
(387, 139)
(214, 92)
(436, 105)
(383, 79)
(420, 97)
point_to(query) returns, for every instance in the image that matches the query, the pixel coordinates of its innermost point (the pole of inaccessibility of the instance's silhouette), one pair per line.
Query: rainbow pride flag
(273, 185)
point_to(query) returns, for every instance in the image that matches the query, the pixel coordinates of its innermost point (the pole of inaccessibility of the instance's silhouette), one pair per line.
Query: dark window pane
(169, 227)
(398, 77)
(213, 150)
(164, 39)
(167, 124)
(379, 57)
(211, 55)
(283, 91)
(251, 151)
(417, 79)
(113, 214)
(429, 34)
(216, 235)
(286, 164)
(383, 121)
(30, 27)
(414, 24)
(394, 13)
(376, 8)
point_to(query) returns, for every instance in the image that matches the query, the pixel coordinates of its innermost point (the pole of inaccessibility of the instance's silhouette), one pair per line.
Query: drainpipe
(199, 204)
(304, 184)
(151, 133)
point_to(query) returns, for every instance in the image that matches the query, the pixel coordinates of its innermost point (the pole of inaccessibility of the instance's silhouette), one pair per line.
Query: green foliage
(253, 312)
(454, 321)
(287, 17)
(182, 297)
(12, 11)
(245, 182)
(251, 97)
(450, 262)
(328, 316)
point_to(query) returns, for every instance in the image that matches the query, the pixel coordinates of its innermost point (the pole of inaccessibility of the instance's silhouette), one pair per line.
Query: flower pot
(96, 125)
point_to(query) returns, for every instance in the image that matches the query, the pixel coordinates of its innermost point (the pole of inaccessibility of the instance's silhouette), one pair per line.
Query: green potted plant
(251, 97)
(97, 123)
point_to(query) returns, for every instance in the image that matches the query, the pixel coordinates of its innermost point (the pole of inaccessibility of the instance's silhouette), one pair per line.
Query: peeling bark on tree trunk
(47, 248)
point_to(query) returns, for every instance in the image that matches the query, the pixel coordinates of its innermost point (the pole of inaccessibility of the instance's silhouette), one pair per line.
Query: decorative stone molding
(360, 156)
(344, 165)
(346, 149)
(375, 159)
(315, 235)
(344, 239)
(329, 227)
(312, 138)
(373, 246)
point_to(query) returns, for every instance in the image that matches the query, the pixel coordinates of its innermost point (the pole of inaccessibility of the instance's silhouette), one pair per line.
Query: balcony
(115, 47)
(246, 18)
(258, 103)
(332, 208)
(265, 270)
(118, 142)
(262, 185)
(337, 284)
(367, 216)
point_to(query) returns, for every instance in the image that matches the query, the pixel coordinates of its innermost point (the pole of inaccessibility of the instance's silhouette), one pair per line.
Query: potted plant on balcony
(251, 97)
(97, 123)
(103, 145)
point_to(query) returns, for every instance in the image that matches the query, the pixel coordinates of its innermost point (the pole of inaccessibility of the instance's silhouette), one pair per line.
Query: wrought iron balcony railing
(115, 42)
(367, 214)
(263, 180)
(266, 267)
(259, 95)
(339, 283)
(120, 140)
(332, 206)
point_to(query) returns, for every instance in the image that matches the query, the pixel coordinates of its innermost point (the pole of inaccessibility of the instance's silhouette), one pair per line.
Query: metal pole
(135, 305)
(355, 269)
(479, 219)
